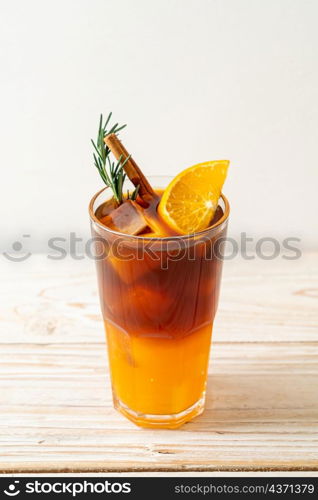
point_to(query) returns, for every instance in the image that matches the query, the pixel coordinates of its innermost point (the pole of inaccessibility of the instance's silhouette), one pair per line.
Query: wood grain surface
(262, 405)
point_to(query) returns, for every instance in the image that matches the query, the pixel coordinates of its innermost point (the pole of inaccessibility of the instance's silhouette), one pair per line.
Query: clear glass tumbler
(158, 298)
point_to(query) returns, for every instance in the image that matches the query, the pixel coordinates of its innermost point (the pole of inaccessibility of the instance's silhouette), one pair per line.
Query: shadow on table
(263, 400)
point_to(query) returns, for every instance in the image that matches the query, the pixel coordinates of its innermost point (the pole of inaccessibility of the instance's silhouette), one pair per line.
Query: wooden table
(262, 405)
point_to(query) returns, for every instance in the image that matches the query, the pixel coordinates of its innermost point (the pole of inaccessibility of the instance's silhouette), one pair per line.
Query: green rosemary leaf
(112, 174)
(96, 148)
(107, 121)
(133, 195)
(120, 128)
(135, 192)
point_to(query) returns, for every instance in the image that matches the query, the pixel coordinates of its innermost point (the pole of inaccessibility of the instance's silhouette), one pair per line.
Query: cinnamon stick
(131, 168)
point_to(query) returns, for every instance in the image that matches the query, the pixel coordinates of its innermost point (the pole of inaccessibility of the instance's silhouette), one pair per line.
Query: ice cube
(106, 208)
(127, 218)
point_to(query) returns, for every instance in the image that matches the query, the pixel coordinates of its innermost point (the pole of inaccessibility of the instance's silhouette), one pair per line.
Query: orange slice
(151, 234)
(190, 200)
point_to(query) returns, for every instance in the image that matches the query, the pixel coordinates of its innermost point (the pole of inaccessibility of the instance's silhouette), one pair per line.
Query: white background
(194, 80)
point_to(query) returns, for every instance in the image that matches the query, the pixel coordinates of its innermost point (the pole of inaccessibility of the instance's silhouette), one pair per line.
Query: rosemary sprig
(133, 195)
(114, 175)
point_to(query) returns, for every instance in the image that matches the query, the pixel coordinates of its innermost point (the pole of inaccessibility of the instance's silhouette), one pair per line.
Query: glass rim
(94, 219)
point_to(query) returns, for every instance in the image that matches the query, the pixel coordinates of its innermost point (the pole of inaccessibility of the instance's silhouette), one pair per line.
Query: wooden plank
(55, 399)
(58, 409)
(57, 301)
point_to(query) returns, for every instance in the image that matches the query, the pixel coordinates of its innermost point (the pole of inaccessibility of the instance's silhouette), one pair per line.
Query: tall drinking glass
(158, 298)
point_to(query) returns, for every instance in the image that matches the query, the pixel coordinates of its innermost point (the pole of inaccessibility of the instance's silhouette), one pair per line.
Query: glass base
(172, 421)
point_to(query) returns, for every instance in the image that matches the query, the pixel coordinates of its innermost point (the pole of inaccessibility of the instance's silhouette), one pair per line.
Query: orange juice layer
(158, 376)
